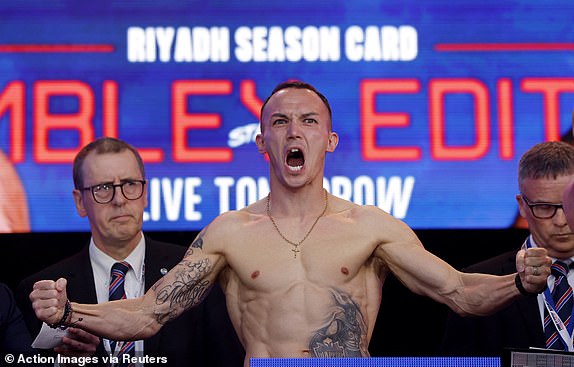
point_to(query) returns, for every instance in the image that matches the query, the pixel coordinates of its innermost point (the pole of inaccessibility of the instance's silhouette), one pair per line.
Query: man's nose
(294, 130)
(119, 197)
(560, 217)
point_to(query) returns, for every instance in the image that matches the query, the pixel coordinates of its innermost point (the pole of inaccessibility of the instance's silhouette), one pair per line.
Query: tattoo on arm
(187, 290)
(197, 243)
(344, 333)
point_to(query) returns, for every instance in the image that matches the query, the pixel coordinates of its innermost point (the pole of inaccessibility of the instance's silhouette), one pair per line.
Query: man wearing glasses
(544, 320)
(110, 190)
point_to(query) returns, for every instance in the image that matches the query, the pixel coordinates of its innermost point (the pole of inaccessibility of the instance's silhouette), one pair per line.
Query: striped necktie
(563, 303)
(116, 292)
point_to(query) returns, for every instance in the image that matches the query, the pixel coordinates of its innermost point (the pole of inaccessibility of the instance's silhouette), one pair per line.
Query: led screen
(434, 101)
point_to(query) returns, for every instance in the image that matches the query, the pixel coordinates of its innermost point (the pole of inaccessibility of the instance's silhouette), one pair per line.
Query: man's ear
(521, 205)
(79, 201)
(333, 142)
(260, 144)
(145, 193)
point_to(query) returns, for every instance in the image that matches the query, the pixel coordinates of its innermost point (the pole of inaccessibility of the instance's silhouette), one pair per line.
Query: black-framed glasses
(105, 192)
(542, 210)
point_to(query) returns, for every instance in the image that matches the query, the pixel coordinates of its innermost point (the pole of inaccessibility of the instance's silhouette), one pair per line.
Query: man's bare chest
(263, 261)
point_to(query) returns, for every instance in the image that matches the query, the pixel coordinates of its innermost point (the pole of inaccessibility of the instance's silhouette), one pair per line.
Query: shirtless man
(302, 270)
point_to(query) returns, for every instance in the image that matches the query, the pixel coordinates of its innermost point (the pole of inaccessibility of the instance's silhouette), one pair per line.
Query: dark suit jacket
(202, 336)
(516, 326)
(14, 336)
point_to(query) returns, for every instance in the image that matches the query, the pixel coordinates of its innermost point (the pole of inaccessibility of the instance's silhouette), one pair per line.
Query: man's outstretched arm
(183, 287)
(466, 294)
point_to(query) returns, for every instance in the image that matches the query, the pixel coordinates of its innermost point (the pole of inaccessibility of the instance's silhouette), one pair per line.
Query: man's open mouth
(295, 159)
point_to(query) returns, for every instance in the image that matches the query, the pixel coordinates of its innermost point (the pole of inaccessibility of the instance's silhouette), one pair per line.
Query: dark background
(408, 324)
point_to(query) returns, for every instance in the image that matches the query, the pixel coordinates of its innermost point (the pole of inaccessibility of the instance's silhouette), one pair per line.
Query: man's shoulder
(61, 267)
(375, 219)
(6, 295)
(235, 219)
(348, 208)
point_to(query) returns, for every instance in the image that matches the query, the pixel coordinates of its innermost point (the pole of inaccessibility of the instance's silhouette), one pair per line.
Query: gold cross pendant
(295, 251)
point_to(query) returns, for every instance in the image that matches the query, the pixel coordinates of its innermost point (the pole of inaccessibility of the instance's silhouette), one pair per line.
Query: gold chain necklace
(296, 244)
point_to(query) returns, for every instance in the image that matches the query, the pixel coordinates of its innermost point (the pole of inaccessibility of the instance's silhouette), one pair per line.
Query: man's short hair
(296, 84)
(549, 159)
(102, 145)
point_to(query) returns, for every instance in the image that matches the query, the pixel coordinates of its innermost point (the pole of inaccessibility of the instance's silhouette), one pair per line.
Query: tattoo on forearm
(197, 243)
(344, 333)
(188, 289)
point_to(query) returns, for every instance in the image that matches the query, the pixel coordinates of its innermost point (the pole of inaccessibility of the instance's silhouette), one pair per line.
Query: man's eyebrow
(278, 114)
(123, 180)
(306, 114)
(309, 114)
(106, 183)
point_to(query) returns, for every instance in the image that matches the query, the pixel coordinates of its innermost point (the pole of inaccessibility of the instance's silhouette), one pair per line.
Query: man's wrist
(62, 324)
(522, 290)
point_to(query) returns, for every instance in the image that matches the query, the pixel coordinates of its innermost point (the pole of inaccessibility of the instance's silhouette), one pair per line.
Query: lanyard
(564, 332)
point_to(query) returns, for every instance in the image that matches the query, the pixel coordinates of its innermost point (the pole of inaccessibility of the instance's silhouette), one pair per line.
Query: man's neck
(118, 250)
(300, 202)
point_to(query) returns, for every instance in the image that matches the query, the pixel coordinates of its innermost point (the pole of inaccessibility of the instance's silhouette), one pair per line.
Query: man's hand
(78, 343)
(49, 299)
(533, 266)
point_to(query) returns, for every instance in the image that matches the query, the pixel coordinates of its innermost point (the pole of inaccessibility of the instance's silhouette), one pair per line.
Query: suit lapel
(155, 260)
(81, 287)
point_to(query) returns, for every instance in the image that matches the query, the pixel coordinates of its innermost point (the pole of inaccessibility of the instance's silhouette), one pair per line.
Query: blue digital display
(434, 101)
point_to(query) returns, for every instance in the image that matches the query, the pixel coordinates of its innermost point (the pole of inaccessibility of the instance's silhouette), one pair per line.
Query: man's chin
(560, 250)
(124, 232)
